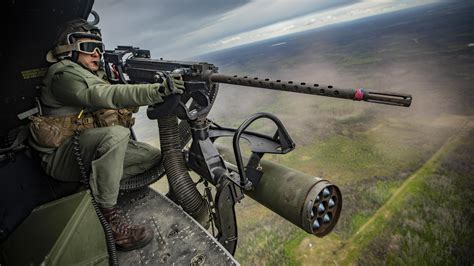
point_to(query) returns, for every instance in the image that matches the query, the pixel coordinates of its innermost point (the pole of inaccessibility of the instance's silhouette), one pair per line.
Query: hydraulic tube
(311, 203)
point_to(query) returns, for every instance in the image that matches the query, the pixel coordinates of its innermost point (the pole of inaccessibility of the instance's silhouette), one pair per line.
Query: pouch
(49, 132)
(106, 118)
(125, 117)
(112, 117)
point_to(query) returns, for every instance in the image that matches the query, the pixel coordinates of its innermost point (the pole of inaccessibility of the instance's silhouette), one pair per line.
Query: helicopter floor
(178, 239)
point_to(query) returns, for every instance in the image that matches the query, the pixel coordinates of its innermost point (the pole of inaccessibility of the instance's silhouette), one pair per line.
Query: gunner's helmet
(68, 42)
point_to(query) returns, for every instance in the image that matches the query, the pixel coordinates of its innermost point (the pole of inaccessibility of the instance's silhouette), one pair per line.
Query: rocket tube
(309, 202)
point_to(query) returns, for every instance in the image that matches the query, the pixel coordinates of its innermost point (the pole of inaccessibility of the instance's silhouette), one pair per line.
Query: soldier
(75, 97)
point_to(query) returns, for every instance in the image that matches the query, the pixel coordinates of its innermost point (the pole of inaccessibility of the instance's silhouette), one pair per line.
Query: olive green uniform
(108, 152)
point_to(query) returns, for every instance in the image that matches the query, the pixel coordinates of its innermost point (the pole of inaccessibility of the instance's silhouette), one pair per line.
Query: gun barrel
(315, 89)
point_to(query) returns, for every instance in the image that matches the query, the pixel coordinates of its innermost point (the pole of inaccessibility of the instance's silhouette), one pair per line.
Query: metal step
(178, 240)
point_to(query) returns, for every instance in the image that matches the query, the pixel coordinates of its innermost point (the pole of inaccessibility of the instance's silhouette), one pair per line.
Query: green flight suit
(108, 152)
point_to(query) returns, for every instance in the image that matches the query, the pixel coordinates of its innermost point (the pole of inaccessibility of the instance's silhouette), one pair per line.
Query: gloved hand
(170, 83)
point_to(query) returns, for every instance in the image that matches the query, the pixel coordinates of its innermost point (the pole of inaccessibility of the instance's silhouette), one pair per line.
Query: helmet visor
(89, 47)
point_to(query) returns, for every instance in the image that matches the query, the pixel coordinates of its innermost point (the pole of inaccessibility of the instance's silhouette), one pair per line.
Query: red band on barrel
(359, 95)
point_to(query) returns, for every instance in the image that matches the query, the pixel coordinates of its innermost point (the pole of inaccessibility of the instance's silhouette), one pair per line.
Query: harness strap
(62, 111)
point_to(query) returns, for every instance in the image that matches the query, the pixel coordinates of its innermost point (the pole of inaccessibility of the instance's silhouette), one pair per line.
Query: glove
(170, 83)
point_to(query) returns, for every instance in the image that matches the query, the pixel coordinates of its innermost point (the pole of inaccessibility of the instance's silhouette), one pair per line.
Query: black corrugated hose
(113, 259)
(182, 187)
(155, 173)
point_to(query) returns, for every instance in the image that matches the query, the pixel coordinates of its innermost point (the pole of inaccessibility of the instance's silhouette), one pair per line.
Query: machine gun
(311, 203)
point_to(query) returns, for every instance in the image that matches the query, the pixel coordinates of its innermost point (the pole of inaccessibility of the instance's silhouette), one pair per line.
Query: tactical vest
(59, 122)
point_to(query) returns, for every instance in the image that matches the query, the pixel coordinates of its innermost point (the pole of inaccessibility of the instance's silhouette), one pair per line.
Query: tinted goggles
(89, 47)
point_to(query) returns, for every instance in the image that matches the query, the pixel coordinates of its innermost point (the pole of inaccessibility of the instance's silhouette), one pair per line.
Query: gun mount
(311, 203)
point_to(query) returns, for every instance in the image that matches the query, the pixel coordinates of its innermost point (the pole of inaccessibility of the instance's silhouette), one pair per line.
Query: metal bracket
(279, 143)
(226, 223)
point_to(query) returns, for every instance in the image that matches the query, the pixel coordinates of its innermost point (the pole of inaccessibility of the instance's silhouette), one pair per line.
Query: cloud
(317, 19)
(151, 23)
(234, 39)
(185, 28)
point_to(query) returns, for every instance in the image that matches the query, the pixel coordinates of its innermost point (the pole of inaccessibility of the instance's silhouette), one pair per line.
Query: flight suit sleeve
(72, 89)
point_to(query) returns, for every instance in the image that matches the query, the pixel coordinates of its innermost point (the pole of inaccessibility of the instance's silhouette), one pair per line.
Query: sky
(179, 29)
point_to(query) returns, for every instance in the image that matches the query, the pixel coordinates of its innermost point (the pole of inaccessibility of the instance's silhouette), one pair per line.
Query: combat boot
(127, 236)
